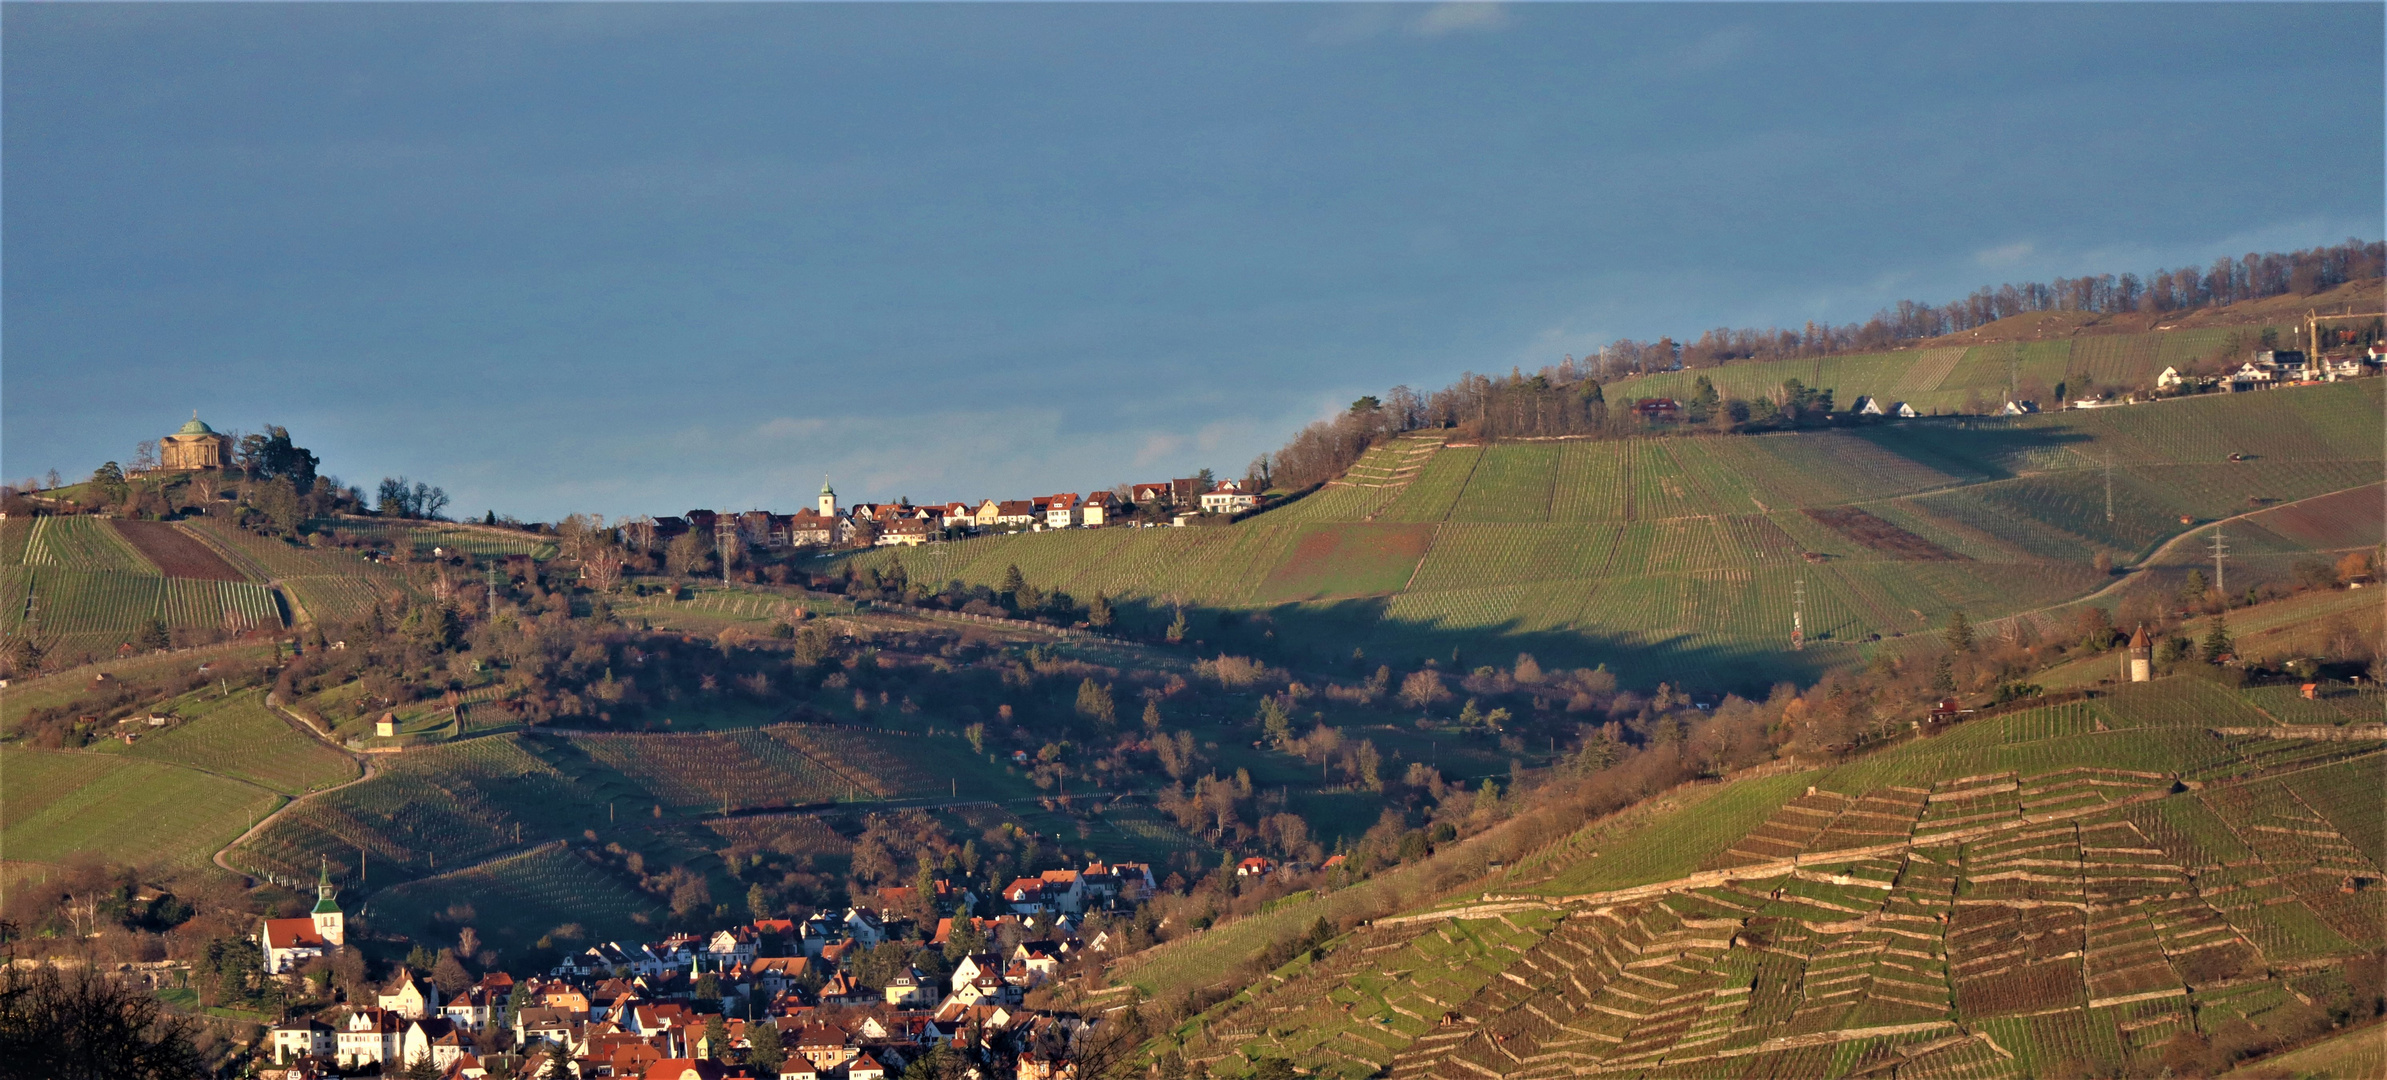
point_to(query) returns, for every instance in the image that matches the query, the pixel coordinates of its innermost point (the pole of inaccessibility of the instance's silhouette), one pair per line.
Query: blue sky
(639, 258)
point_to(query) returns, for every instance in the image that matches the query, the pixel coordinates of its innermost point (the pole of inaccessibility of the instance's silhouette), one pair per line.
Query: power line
(1798, 614)
(2220, 552)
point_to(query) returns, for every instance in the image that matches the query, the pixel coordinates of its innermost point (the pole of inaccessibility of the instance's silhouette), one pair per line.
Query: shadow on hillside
(1970, 447)
(1351, 638)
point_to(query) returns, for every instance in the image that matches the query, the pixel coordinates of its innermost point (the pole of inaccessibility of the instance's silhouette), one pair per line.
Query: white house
(371, 1035)
(304, 1038)
(432, 1038)
(1060, 512)
(1228, 497)
(2170, 379)
(406, 997)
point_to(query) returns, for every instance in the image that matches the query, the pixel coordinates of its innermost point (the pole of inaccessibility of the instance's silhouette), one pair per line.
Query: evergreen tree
(716, 1038)
(1098, 614)
(2217, 642)
(1943, 676)
(1959, 633)
(1014, 582)
(1094, 703)
(758, 903)
(1276, 722)
(764, 1051)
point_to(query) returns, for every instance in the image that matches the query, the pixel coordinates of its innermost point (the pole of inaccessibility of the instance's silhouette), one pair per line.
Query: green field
(1682, 559)
(140, 812)
(239, 737)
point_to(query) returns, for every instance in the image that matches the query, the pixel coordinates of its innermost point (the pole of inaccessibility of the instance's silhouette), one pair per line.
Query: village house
(1142, 494)
(304, 1038)
(1095, 512)
(371, 1035)
(1229, 497)
(405, 997)
(1060, 511)
(910, 989)
(1019, 513)
(907, 532)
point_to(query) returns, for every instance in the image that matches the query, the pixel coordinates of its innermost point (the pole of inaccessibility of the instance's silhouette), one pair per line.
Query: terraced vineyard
(1681, 559)
(2059, 889)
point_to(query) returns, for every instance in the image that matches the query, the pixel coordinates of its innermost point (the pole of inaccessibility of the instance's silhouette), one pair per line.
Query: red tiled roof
(292, 934)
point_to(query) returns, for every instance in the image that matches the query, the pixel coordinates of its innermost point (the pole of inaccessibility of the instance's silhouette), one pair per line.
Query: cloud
(1453, 18)
(2006, 255)
(1158, 446)
(1719, 49)
(788, 427)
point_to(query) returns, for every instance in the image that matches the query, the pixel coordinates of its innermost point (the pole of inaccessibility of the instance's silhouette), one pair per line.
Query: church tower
(828, 499)
(2142, 656)
(328, 920)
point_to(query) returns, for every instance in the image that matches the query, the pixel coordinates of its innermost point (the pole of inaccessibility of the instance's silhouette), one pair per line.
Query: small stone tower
(2141, 662)
(828, 499)
(328, 920)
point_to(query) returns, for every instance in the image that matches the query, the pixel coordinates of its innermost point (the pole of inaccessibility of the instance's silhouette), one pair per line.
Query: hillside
(84, 585)
(2078, 889)
(1683, 558)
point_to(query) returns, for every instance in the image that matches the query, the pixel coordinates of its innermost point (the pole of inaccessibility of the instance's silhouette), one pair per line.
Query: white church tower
(828, 499)
(328, 920)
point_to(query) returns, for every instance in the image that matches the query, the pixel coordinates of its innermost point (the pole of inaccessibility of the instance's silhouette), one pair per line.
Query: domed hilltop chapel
(194, 446)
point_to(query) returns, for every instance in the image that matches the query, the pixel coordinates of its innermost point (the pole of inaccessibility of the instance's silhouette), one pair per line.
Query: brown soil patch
(1881, 536)
(176, 552)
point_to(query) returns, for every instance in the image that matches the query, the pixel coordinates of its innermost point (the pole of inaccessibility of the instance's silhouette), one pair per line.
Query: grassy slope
(61, 805)
(1679, 558)
(239, 737)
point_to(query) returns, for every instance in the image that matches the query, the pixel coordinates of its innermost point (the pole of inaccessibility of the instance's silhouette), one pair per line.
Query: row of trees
(2252, 276)
(1567, 398)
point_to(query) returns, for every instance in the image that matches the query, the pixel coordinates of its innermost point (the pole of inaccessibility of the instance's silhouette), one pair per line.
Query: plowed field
(176, 552)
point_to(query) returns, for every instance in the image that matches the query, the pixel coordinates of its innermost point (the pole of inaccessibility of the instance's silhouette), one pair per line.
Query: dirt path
(2147, 564)
(364, 772)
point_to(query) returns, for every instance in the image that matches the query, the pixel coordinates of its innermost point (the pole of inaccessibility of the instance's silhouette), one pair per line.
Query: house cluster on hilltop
(2268, 369)
(650, 1009)
(904, 523)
